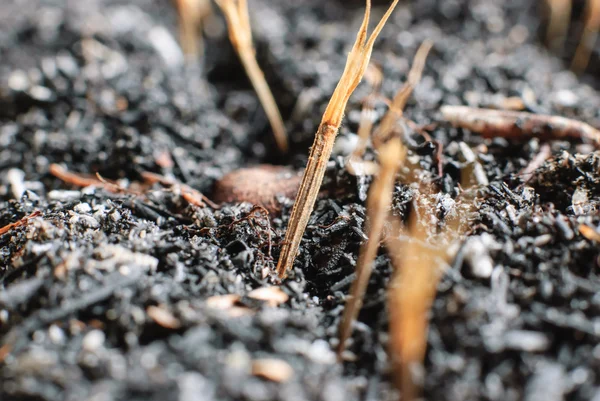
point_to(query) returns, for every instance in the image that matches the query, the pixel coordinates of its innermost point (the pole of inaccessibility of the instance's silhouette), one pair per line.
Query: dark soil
(85, 85)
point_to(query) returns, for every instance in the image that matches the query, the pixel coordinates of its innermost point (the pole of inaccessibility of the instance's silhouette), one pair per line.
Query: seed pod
(260, 185)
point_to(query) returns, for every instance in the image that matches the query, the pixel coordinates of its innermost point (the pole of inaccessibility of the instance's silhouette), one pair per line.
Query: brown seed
(589, 233)
(273, 296)
(163, 317)
(275, 370)
(4, 352)
(227, 303)
(260, 185)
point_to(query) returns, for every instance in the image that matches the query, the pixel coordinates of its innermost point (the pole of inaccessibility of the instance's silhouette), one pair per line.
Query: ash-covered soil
(113, 294)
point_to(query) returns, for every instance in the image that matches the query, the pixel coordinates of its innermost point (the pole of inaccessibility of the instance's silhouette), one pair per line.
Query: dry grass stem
(378, 204)
(544, 153)
(356, 64)
(558, 22)
(519, 125)
(355, 164)
(191, 14)
(411, 293)
(588, 38)
(390, 119)
(240, 34)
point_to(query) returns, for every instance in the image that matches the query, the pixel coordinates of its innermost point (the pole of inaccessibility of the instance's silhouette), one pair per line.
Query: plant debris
(261, 185)
(134, 286)
(356, 65)
(240, 34)
(517, 125)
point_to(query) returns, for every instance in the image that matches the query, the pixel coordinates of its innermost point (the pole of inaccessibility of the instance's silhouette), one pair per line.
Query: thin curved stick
(516, 124)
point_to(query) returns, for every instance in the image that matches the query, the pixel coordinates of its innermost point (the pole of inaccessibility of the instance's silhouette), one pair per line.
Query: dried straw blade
(240, 35)
(399, 102)
(410, 296)
(356, 64)
(588, 38)
(378, 205)
(191, 13)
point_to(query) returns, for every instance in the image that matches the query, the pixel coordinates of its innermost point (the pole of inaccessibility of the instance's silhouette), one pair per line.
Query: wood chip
(276, 370)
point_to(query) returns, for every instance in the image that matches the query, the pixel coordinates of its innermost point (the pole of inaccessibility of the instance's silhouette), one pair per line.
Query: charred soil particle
(99, 87)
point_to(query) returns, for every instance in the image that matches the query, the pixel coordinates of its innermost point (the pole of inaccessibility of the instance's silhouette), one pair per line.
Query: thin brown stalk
(374, 76)
(357, 62)
(410, 296)
(588, 38)
(188, 193)
(399, 102)
(558, 23)
(518, 125)
(413, 285)
(396, 106)
(80, 180)
(240, 34)
(355, 165)
(539, 159)
(378, 204)
(191, 13)
(19, 223)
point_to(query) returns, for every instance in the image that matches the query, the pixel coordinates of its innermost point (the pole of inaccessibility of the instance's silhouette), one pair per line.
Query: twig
(357, 62)
(240, 34)
(189, 194)
(71, 178)
(539, 159)
(588, 38)
(22, 222)
(378, 204)
(516, 125)
(80, 180)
